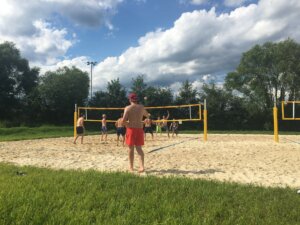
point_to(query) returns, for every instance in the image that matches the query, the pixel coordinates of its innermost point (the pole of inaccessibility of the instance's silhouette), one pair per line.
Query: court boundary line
(167, 146)
(291, 140)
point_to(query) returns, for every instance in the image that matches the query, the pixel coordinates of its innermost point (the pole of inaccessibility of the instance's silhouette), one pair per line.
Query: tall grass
(41, 196)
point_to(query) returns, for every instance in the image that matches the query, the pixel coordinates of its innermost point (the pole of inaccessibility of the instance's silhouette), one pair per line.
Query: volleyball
(145, 98)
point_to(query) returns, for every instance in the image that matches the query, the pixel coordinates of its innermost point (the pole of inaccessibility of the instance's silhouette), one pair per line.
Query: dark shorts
(175, 130)
(79, 130)
(121, 131)
(148, 130)
(166, 128)
(104, 129)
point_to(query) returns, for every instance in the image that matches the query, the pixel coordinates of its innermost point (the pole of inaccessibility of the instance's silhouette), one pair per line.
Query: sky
(166, 41)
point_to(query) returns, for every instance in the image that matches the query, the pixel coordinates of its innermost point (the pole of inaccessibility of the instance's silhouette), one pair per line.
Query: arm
(125, 117)
(145, 113)
(168, 115)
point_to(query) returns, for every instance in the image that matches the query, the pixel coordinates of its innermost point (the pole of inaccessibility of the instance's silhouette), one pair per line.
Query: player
(79, 129)
(165, 123)
(158, 126)
(148, 126)
(104, 128)
(133, 115)
(174, 128)
(120, 130)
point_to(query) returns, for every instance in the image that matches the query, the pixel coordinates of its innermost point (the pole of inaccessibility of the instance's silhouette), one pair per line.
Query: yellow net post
(205, 121)
(75, 120)
(275, 117)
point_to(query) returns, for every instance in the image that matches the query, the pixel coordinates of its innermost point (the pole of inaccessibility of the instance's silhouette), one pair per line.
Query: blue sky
(133, 20)
(168, 41)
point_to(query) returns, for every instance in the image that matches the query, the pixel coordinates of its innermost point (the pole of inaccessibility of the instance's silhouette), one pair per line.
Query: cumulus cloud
(79, 62)
(198, 2)
(193, 2)
(233, 3)
(31, 25)
(202, 42)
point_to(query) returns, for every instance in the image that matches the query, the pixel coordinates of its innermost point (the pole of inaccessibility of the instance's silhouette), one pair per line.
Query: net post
(75, 119)
(275, 118)
(205, 122)
(282, 110)
(293, 109)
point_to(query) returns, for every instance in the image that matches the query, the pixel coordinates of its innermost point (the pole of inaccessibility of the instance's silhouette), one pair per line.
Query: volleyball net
(290, 110)
(178, 113)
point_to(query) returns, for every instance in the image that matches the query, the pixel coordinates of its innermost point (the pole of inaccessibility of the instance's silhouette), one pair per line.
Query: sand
(247, 159)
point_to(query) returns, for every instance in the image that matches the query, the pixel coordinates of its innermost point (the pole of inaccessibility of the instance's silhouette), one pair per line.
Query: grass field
(40, 196)
(31, 195)
(27, 133)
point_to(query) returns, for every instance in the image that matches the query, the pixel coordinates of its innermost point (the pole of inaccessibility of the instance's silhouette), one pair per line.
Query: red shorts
(134, 136)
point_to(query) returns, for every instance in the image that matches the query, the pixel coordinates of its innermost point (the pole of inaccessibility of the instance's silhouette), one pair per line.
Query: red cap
(133, 97)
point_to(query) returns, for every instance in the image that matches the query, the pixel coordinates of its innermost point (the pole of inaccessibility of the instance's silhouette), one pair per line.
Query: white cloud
(202, 42)
(31, 24)
(233, 3)
(79, 62)
(198, 2)
(193, 2)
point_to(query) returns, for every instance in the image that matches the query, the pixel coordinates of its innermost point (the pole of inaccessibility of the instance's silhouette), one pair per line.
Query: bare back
(133, 115)
(103, 122)
(119, 122)
(80, 122)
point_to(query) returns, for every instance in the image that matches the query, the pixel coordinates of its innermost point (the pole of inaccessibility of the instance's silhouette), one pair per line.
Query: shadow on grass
(183, 172)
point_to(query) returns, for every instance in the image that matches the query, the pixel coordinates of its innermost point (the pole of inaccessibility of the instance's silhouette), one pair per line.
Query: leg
(141, 158)
(123, 140)
(75, 139)
(118, 137)
(81, 139)
(131, 157)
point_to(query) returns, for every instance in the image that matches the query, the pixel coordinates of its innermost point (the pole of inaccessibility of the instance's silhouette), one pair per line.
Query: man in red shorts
(133, 120)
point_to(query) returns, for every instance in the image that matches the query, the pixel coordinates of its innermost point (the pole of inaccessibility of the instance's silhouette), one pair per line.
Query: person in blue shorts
(121, 130)
(103, 128)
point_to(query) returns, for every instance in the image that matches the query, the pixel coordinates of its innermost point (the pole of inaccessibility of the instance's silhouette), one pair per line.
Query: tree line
(266, 75)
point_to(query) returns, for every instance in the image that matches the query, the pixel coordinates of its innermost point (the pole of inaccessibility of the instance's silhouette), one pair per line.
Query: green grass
(40, 196)
(25, 133)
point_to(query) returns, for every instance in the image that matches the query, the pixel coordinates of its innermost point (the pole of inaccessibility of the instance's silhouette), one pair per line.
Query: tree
(225, 111)
(116, 94)
(17, 81)
(266, 73)
(60, 90)
(139, 87)
(187, 94)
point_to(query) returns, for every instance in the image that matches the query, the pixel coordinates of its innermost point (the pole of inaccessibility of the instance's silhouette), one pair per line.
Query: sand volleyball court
(255, 159)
